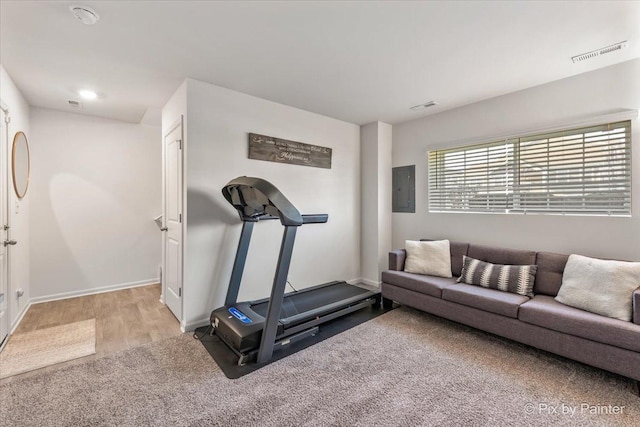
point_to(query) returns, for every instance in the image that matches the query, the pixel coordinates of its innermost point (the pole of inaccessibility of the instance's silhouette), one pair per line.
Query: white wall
(369, 201)
(375, 158)
(95, 187)
(385, 194)
(217, 151)
(595, 93)
(18, 210)
(174, 108)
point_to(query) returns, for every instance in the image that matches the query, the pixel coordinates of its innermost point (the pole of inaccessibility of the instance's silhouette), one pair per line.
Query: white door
(4, 164)
(172, 219)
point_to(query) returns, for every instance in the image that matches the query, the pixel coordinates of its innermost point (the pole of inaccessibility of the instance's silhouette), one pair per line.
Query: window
(583, 171)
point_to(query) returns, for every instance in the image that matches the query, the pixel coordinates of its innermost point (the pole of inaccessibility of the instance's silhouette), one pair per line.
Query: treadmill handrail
(314, 218)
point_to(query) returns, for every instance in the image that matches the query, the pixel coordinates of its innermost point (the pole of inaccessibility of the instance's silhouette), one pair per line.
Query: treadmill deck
(240, 325)
(310, 299)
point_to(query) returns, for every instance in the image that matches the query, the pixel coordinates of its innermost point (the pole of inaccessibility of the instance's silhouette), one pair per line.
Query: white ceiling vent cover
(84, 14)
(598, 52)
(423, 106)
(75, 104)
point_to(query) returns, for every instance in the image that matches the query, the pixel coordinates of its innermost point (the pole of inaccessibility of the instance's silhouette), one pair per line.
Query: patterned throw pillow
(517, 279)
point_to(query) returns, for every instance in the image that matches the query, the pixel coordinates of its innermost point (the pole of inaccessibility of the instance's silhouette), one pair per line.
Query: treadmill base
(228, 361)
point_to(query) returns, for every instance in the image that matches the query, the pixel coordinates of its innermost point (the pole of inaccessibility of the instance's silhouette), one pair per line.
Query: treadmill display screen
(239, 315)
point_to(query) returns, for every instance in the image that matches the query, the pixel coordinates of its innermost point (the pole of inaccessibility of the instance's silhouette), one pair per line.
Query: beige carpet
(44, 347)
(404, 368)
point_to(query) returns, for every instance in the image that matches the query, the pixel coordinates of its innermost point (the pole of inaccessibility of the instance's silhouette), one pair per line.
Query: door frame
(165, 133)
(4, 200)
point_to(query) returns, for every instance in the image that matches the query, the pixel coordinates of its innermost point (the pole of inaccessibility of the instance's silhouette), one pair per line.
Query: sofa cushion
(545, 311)
(432, 258)
(549, 275)
(498, 302)
(600, 286)
(429, 285)
(458, 250)
(501, 256)
(517, 279)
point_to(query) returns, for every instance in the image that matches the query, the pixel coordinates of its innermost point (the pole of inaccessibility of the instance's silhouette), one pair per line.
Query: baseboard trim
(19, 318)
(93, 291)
(190, 326)
(367, 282)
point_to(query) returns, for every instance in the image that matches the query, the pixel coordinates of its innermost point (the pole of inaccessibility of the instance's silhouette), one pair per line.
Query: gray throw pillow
(600, 286)
(517, 279)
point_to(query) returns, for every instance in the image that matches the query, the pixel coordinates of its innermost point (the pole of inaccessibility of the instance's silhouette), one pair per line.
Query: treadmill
(254, 330)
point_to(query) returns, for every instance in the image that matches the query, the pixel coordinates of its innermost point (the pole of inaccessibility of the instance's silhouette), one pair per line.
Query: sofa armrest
(636, 306)
(396, 259)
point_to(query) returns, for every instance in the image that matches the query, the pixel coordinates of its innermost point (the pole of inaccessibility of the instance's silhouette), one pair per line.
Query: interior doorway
(172, 218)
(4, 279)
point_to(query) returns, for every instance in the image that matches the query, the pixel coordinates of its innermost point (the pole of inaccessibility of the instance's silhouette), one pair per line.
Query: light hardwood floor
(124, 319)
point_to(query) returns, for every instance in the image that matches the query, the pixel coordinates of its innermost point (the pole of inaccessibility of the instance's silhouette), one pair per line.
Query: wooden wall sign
(262, 147)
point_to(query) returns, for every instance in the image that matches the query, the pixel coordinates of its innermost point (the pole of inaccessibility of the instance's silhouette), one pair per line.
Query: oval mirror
(20, 164)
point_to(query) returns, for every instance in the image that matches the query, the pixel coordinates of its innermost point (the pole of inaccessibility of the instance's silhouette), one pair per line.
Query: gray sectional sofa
(541, 322)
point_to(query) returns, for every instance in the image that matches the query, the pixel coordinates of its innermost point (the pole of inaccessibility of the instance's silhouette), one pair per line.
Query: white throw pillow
(600, 286)
(432, 258)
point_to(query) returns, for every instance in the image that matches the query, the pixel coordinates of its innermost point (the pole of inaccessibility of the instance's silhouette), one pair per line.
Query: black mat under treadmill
(228, 361)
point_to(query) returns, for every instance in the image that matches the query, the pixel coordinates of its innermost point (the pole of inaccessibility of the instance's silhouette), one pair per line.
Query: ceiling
(355, 61)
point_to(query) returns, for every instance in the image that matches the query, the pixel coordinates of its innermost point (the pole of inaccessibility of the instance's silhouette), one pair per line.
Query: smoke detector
(423, 106)
(598, 52)
(84, 14)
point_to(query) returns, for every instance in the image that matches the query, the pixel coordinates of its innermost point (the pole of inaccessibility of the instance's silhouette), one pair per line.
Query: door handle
(9, 242)
(164, 229)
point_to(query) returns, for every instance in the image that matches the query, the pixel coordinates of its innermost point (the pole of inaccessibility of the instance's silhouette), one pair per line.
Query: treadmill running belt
(303, 301)
(288, 308)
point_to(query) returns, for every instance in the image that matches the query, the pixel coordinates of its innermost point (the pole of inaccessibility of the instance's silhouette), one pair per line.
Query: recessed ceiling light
(423, 106)
(88, 94)
(84, 14)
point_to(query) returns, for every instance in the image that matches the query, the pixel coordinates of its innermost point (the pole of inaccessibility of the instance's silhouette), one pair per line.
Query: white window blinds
(579, 171)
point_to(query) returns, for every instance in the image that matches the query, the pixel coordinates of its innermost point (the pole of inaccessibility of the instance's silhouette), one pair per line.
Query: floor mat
(228, 361)
(44, 347)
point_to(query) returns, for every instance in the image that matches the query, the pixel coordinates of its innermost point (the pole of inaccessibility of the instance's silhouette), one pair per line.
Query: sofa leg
(387, 303)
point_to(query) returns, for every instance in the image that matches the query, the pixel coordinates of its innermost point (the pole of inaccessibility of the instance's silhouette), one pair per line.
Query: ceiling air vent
(75, 104)
(84, 14)
(598, 52)
(423, 106)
